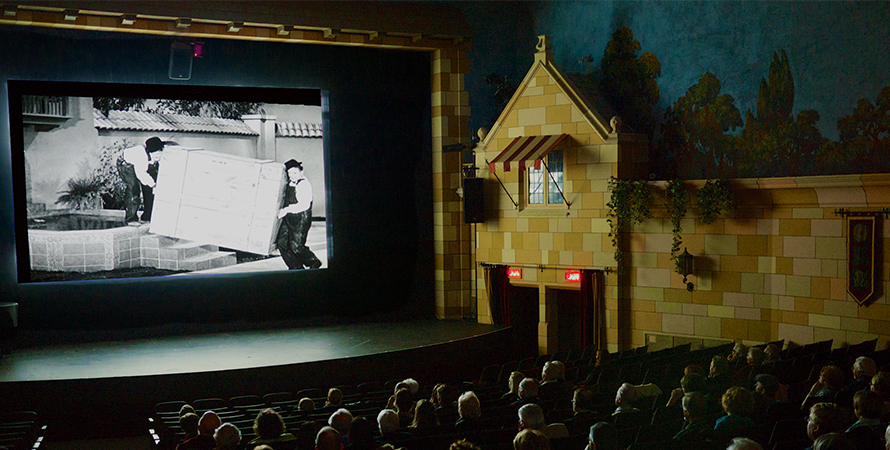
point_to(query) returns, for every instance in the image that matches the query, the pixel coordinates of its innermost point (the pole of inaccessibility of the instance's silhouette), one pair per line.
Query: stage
(95, 374)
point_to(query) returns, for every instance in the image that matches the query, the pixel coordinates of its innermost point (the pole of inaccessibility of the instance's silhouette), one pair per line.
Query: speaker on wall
(181, 55)
(474, 204)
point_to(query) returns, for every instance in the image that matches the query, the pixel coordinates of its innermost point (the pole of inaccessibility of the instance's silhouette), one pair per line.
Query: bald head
(209, 423)
(328, 438)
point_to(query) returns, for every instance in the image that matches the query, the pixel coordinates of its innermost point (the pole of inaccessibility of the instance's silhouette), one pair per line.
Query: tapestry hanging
(861, 256)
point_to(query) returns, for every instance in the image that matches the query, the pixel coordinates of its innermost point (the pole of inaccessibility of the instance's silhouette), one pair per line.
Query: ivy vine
(713, 198)
(676, 199)
(629, 203)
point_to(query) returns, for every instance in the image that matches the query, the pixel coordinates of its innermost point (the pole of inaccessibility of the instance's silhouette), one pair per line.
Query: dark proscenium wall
(379, 181)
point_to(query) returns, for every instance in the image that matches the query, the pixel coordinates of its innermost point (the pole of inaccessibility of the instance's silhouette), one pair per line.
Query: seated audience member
(328, 438)
(864, 369)
(880, 384)
(424, 418)
(719, 378)
(628, 394)
(695, 419)
(513, 386)
(583, 415)
(341, 420)
(227, 437)
(208, 423)
(772, 353)
(269, 428)
(754, 361)
(444, 396)
(831, 380)
(531, 440)
(768, 386)
(743, 444)
(825, 418)
(552, 379)
(767, 402)
(263, 447)
(689, 383)
(868, 430)
(463, 444)
(739, 353)
(185, 409)
(388, 424)
(361, 434)
(531, 416)
(412, 385)
(306, 404)
(624, 399)
(468, 408)
(402, 403)
(887, 437)
(737, 402)
(602, 358)
(334, 400)
(306, 435)
(528, 392)
(602, 437)
(189, 424)
(835, 441)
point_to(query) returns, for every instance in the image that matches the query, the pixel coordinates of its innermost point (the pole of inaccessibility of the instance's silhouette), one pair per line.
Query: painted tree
(865, 134)
(773, 141)
(694, 131)
(629, 81)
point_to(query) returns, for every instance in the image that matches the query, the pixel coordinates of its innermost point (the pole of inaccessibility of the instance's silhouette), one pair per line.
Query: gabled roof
(580, 91)
(144, 121)
(588, 89)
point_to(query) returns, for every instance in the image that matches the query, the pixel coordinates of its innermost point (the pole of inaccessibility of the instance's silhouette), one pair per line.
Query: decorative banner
(861, 256)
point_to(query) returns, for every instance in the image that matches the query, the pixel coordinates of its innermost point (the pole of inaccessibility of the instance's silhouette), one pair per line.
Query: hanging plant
(713, 198)
(676, 198)
(629, 202)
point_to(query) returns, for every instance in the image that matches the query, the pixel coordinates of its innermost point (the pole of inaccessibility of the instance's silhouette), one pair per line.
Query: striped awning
(526, 151)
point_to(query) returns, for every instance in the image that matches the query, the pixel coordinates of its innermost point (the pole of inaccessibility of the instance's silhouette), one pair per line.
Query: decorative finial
(615, 123)
(543, 49)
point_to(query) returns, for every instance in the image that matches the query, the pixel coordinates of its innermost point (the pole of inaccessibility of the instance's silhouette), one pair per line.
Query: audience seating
(776, 428)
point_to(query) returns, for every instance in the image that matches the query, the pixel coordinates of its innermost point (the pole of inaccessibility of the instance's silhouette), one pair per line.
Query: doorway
(568, 319)
(524, 318)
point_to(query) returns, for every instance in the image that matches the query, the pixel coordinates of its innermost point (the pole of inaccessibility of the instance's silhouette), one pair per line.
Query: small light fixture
(183, 23)
(284, 30)
(128, 19)
(514, 273)
(573, 276)
(70, 14)
(10, 10)
(235, 27)
(685, 267)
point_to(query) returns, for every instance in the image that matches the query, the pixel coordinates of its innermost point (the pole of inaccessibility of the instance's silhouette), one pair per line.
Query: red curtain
(592, 308)
(496, 283)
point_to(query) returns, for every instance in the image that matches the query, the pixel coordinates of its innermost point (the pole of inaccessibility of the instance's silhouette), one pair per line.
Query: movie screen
(125, 181)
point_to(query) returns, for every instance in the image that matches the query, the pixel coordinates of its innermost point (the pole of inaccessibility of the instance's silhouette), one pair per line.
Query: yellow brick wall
(774, 268)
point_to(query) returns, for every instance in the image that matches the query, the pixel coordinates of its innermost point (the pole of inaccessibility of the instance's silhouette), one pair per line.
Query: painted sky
(837, 49)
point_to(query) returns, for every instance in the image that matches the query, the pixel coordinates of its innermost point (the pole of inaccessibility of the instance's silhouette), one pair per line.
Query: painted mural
(728, 89)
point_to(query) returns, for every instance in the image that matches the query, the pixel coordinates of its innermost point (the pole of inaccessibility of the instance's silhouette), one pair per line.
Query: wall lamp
(685, 267)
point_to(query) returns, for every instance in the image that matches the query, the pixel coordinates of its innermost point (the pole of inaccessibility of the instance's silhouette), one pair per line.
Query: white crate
(219, 199)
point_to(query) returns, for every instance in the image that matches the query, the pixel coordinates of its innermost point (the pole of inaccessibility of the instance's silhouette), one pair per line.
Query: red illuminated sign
(514, 273)
(573, 276)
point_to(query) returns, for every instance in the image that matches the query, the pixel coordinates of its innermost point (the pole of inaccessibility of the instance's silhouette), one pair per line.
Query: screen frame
(18, 88)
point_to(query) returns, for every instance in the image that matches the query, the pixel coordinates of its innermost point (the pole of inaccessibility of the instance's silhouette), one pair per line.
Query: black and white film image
(134, 187)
